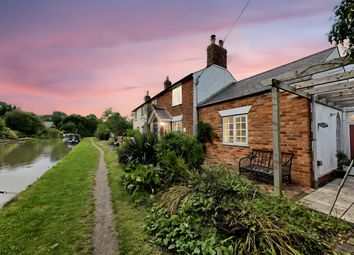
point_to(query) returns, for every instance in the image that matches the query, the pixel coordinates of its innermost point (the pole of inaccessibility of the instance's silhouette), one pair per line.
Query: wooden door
(352, 141)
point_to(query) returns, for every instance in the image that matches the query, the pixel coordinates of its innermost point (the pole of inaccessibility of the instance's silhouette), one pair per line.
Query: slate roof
(163, 114)
(252, 85)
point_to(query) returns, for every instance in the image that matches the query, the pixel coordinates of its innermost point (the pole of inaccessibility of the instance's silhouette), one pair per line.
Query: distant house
(48, 124)
(175, 107)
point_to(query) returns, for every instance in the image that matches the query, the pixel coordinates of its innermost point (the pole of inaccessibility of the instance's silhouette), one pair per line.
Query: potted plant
(342, 160)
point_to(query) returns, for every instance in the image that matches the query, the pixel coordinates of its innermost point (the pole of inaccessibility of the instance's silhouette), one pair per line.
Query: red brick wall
(295, 132)
(185, 109)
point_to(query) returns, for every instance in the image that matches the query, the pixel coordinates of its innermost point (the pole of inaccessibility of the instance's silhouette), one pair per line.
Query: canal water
(21, 164)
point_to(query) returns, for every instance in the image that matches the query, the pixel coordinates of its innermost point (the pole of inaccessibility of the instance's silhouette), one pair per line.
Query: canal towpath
(104, 236)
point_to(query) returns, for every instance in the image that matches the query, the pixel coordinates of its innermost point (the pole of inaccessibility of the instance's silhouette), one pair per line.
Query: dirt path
(104, 236)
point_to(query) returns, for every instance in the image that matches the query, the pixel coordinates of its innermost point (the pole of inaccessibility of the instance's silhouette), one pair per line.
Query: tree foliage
(25, 122)
(74, 123)
(57, 118)
(342, 31)
(4, 108)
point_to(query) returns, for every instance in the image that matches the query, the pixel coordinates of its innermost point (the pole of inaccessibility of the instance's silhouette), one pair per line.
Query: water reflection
(23, 163)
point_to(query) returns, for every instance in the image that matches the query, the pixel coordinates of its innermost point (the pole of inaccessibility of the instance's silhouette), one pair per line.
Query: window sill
(237, 144)
(176, 105)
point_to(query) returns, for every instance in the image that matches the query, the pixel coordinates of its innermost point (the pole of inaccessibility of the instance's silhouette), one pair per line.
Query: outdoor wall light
(322, 124)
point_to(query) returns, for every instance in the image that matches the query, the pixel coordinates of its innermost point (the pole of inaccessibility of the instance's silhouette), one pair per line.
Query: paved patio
(322, 199)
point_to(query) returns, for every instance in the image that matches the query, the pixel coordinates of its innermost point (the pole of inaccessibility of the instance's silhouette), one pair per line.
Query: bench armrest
(246, 161)
(286, 167)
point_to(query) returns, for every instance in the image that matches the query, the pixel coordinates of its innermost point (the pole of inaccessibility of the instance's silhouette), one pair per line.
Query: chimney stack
(167, 83)
(216, 54)
(147, 97)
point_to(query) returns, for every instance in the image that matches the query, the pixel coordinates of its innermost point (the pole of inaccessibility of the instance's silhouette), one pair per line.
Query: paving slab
(322, 199)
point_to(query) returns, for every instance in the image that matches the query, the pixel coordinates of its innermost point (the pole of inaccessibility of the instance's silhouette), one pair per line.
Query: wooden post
(276, 139)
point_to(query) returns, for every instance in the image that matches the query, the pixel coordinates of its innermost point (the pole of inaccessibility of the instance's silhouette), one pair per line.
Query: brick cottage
(240, 113)
(175, 107)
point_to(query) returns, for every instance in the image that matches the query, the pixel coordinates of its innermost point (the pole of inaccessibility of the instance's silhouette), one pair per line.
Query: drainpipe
(314, 142)
(195, 104)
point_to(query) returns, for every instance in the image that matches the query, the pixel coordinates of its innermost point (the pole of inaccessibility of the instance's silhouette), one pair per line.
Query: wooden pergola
(328, 83)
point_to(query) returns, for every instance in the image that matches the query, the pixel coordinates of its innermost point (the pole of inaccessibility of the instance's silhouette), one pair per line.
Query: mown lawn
(54, 215)
(130, 218)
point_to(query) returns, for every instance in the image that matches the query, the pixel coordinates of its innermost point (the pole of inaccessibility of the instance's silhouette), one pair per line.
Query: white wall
(206, 83)
(211, 80)
(326, 138)
(141, 119)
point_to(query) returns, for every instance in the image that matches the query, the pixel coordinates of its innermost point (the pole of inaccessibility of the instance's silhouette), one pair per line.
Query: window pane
(228, 130)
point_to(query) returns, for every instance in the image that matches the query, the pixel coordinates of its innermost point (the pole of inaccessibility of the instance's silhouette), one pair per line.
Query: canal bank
(55, 214)
(22, 163)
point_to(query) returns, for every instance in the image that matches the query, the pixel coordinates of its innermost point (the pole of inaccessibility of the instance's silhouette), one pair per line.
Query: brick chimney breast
(167, 83)
(216, 54)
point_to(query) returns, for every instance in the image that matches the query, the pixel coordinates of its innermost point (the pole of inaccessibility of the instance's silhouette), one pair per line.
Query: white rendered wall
(140, 121)
(326, 138)
(210, 81)
(206, 83)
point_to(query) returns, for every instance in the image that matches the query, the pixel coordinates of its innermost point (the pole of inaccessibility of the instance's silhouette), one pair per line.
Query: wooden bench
(260, 164)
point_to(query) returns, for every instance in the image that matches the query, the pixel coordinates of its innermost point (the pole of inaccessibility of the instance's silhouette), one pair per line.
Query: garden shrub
(141, 180)
(185, 147)
(2, 129)
(174, 170)
(220, 213)
(138, 149)
(48, 133)
(11, 134)
(102, 132)
(204, 132)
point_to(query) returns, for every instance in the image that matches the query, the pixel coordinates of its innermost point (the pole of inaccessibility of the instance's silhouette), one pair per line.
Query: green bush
(24, 122)
(204, 132)
(219, 213)
(49, 133)
(102, 132)
(138, 149)
(2, 129)
(141, 180)
(185, 147)
(10, 134)
(131, 132)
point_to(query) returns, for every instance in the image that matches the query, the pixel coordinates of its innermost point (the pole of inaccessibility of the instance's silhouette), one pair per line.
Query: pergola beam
(310, 70)
(331, 88)
(324, 80)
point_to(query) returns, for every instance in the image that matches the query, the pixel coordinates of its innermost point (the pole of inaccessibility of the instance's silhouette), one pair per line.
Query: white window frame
(234, 130)
(177, 96)
(174, 125)
(236, 112)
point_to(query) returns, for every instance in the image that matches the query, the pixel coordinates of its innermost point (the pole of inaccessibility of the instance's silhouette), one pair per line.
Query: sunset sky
(83, 56)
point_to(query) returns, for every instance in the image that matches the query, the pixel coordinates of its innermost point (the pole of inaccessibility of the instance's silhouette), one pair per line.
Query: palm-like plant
(138, 149)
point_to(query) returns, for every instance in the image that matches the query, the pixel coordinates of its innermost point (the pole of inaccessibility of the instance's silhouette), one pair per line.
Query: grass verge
(129, 217)
(55, 214)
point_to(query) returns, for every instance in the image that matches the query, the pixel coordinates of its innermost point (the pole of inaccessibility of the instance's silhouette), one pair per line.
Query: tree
(118, 124)
(4, 108)
(57, 118)
(342, 31)
(25, 122)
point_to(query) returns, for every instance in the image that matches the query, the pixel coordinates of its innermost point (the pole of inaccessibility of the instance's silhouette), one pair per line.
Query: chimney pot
(212, 39)
(221, 43)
